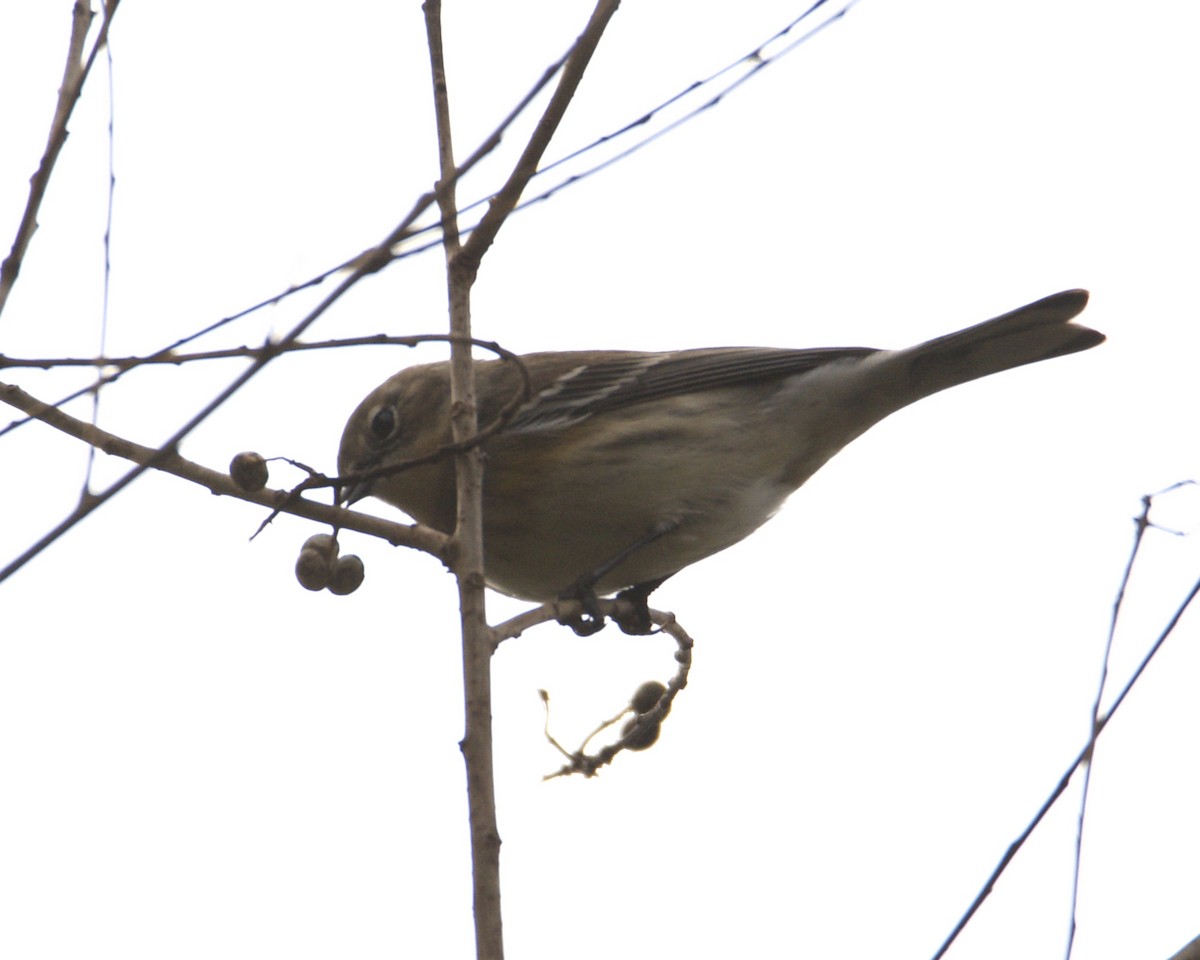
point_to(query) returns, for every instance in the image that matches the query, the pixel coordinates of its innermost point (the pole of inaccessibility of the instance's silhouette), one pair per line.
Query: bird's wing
(616, 380)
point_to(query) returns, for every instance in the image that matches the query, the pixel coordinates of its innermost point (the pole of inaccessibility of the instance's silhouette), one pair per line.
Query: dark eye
(383, 422)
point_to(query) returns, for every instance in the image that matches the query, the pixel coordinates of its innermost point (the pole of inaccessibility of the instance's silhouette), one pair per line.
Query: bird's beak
(353, 493)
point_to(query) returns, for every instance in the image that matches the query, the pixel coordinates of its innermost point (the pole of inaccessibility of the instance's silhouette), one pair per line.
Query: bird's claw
(589, 620)
(635, 621)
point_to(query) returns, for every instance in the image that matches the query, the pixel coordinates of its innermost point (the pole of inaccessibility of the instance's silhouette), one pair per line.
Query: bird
(624, 467)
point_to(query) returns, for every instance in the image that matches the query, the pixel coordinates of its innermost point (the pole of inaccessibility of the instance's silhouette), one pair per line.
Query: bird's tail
(1037, 331)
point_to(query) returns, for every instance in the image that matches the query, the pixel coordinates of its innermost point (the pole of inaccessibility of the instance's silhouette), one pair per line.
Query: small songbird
(624, 467)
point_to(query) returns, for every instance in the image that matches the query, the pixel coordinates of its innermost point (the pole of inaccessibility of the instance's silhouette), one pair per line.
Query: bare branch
(1084, 756)
(1141, 524)
(75, 74)
(125, 364)
(217, 482)
(505, 201)
(476, 743)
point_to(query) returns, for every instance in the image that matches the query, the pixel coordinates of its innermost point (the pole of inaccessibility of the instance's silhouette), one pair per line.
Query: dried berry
(646, 735)
(647, 695)
(249, 471)
(347, 575)
(323, 543)
(314, 570)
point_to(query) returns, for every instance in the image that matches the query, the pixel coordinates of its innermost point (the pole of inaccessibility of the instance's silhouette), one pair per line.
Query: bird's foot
(589, 620)
(635, 621)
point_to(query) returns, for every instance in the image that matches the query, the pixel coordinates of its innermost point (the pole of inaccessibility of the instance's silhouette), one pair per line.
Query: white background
(198, 758)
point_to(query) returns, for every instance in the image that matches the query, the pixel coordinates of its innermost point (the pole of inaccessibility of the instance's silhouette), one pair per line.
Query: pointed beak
(353, 493)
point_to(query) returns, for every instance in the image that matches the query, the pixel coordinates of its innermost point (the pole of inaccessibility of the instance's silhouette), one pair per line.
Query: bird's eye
(383, 423)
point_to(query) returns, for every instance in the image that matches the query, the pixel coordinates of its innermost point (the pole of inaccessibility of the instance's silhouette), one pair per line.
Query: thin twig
(75, 74)
(415, 535)
(1141, 523)
(556, 611)
(505, 200)
(108, 221)
(125, 364)
(590, 764)
(1079, 760)
(246, 351)
(752, 62)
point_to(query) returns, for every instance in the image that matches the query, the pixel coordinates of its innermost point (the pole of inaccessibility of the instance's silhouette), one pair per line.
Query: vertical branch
(462, 265)
(106, 296)
(1141, 524)
(477, 642)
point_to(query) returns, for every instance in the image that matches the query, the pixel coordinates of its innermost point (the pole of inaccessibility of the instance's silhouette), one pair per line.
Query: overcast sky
(199, 758)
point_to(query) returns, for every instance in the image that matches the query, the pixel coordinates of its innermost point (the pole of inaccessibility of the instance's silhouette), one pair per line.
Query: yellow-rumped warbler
(625, 467)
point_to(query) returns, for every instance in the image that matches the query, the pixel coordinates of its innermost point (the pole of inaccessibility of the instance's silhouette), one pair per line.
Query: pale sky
(202, 759)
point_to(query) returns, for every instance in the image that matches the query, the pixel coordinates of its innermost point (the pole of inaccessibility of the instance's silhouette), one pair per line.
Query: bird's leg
(638, 623)
(584, 589)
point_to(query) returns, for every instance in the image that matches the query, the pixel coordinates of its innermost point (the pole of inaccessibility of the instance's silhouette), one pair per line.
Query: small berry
(645, 736)
(348, 575)
(647, 695)
(249, 471)
(323, 543)
(313, 569)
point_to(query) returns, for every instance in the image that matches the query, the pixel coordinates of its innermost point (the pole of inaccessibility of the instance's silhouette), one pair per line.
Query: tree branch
(467, 542)
(75, 74)
(169, 461)
(505, 200)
